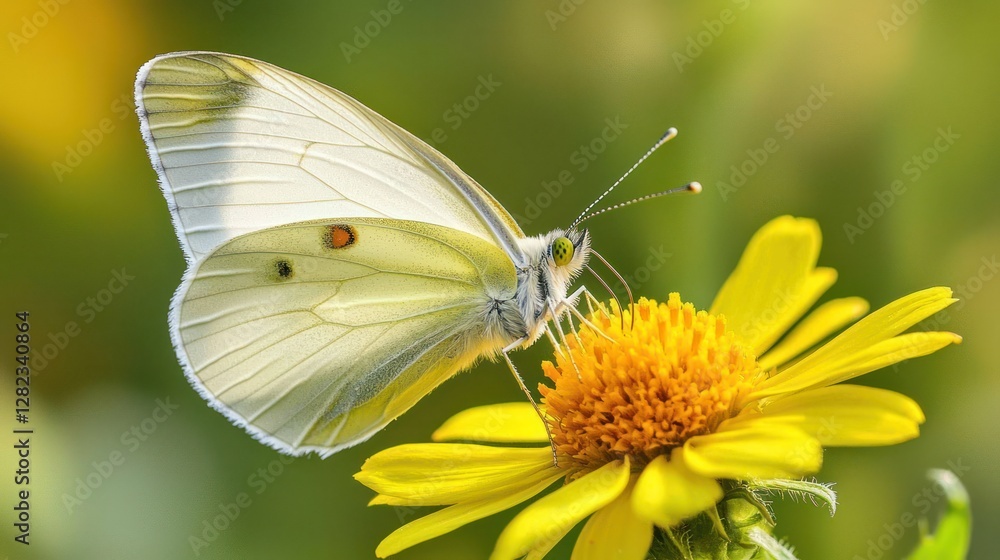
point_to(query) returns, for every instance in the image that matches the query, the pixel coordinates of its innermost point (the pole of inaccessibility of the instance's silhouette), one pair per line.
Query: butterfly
(338, 267)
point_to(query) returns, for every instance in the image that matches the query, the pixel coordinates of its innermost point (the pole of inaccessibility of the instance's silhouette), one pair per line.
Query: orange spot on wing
(340, 236)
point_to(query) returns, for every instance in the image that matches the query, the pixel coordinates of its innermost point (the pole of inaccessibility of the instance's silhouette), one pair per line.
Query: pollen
(673, 374)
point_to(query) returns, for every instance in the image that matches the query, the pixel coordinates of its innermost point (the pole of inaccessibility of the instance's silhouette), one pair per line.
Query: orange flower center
(674, 374)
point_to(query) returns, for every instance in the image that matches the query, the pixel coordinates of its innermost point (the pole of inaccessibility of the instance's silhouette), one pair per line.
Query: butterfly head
(552, 261)
(566, 253)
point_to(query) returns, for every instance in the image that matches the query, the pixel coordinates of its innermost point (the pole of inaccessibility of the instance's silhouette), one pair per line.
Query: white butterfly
(339, 268)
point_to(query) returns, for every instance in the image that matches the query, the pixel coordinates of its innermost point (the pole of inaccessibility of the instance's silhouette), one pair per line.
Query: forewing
(315, 335)
(241, 145)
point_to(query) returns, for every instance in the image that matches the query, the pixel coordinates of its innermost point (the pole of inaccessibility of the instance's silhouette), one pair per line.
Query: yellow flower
(652, 419)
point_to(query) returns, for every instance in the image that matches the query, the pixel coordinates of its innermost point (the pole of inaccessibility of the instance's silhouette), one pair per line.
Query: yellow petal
(499, 423)
(827, 318)
(775, 282)
(866, 345)
(757, 450)
(614, 533)
(453, 517)
(668, 492)
(447, 473)
(547, 520)
(842, 415)
(877, 356)
(543, 548)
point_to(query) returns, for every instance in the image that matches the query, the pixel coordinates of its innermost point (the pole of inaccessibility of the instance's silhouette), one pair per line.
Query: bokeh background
(856, 96)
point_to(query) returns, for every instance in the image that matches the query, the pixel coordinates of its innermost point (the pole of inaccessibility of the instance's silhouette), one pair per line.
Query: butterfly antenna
(631, 302)
(670, 133)
(692, 187)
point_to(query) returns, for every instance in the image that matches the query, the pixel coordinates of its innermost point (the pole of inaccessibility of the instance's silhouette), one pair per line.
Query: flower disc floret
(642, 388)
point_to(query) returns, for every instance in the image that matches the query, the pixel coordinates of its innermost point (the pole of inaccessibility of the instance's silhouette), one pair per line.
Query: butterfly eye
(562, 251)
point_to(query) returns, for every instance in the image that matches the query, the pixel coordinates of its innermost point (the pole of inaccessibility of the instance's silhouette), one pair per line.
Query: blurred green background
(852, 99)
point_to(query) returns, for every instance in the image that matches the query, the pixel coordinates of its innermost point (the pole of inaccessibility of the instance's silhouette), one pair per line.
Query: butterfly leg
(572, 325)
(541, 415)
(592, 301)
(565, 305)
(555, 343)
(576, 334)
(562, 335)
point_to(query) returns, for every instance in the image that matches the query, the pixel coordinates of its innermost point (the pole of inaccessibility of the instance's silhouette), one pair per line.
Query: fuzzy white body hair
(542, 284)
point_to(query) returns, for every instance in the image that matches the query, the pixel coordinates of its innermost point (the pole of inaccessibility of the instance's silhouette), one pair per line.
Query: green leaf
(951, 541)
(816, 492)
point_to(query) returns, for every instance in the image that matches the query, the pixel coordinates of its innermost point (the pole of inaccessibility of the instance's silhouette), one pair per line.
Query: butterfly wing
(313, 336)
(241, 145)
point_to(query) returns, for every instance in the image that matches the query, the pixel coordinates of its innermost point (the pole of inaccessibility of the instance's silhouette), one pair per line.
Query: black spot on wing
(284, 269)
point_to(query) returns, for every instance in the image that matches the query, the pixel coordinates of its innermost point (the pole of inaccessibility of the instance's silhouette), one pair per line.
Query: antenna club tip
(694, 187)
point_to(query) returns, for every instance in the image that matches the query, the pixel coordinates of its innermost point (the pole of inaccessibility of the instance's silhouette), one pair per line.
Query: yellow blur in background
(878, 119)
